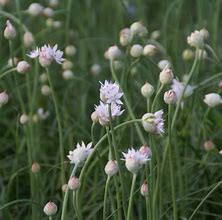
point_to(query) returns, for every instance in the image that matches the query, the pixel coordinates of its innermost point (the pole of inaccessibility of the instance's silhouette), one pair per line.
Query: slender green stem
(118, 162)
(172, 176)
(213, 52)
(148, 217)
(65, 199)
(61, 149)
(131, 198)
(105, 198)
(68, 16)
(7, 72)
(204, 199)
(139, 132)
(156, 97)
(50, 217)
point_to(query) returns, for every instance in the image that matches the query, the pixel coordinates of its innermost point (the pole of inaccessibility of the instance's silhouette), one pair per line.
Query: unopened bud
(212, 99)
(170, 97)
(125, 37)
(43, 77)
(166, 76)
(220, 85)
(67, 74)
(70, 50)
(35, 9)
(145, 149)
(149, 50)
(144, 189)
(187, 54)
(35, 167)
(147, 90)
(46, 91)
(111, 168)
(163, 64)
(67, 65)
(205, 33)
(48, 12)
(155, 35)
(137, 28)
(64, 187)
(114, 53)
(95, 69)
(9, 32)
(23, 67)
(28, 39)
(53, 3)
(94, 117)
(74, 183)
(209, 145)
(132, 165)
(136, 50)
(4, 2)
(50, 209)
(3, 98)
(23, 118)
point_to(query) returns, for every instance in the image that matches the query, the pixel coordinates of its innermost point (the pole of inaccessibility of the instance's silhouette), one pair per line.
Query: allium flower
(102, 112)
(50, 208)
(47, 54)
(110, 93)
(212, 99)
(10, 31)
(134, 160)
(196, 39)
(178, 88)
(80, 154)
(153, 123)
(42, 115)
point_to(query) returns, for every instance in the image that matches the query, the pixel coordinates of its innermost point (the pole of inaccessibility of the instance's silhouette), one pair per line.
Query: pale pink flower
(81, 153)
(102, 112)
(110, 92)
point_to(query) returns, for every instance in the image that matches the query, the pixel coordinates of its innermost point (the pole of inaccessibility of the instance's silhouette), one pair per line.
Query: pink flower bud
(9, 32)
(35, 167)
(50, 209)
(166, 76)
(74, 183)
(144, 189)
(145, 149)
(3, 98)
(94, 117)
(209, 145)
(28, 39)
(23, 67)
(111, 168)
(170, 97)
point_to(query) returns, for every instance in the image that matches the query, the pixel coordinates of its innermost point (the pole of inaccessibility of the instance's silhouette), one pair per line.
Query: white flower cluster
(110, 102)
(47, 54)
(80, 154)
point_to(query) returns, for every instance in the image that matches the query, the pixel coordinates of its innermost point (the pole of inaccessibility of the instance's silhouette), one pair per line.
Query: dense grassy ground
(94, 26)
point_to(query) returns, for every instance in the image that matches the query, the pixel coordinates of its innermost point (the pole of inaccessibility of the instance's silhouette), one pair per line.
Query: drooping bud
(209, 145)
(144, 189)
(23, 67)
(212, 99)
(136, 50)
(74, 183)
(147, 90)
(28, 39)
(170, 97)
(50, 209)
(35, 167)
(166, 76)
(111, 168)
(9, 32)
(149, 50)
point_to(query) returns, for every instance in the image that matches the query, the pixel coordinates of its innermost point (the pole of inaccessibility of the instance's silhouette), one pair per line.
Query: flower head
(110, 92)
(47, 54)
(134, 160)
(196, 39)
(178, 88)
(102, 112)
(153, 123)
(50, 209)
(80, 154)
(212, 99)
(10, 31)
